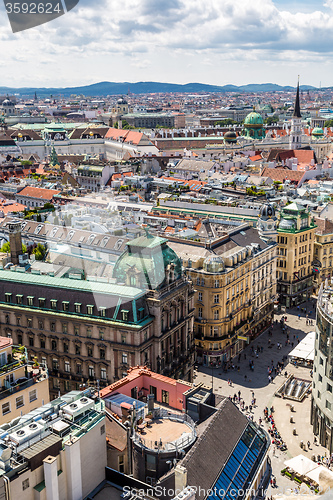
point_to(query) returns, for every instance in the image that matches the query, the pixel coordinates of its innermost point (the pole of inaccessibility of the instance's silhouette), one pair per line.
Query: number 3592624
(33, 8)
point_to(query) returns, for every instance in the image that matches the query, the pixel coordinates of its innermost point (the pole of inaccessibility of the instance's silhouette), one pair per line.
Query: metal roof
(71, 284)
(40, 446)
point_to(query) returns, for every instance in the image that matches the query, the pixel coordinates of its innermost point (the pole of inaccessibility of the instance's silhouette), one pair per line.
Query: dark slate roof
(248, 236)
(211, 451)
(297, 107)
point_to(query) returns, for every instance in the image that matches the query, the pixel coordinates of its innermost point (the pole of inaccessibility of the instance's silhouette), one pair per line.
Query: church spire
(297, 107)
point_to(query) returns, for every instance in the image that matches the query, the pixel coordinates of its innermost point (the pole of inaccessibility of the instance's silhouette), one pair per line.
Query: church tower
(295, 140)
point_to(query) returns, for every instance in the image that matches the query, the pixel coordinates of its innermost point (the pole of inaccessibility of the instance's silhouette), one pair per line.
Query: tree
(6, 247)
(270, 120)
(39, 252)
(328, 123)
(225, 122)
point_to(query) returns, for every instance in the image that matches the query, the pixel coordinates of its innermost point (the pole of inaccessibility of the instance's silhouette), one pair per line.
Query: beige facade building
(296, 239)
(234, 290)
(24, 385)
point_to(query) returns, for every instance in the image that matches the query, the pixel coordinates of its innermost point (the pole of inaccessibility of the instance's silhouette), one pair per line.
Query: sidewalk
(257, 381)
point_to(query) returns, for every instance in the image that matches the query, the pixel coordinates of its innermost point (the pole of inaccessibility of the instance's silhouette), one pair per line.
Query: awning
(305, 349)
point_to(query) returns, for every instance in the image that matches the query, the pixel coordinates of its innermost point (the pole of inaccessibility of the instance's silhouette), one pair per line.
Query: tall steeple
(295, 138)
(297, 107)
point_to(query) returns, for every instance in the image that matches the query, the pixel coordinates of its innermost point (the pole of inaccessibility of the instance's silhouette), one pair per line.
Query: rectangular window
(54, 304)
(53, 345)
(30, 300)
(41, 302)
(31, 341)
(91, 372)
(216, 283)
(124, 358)
(90, 352)
(32, 395)
(216, 299)
(52, 326)
(42, 343)
(65, 305)
(200, 296)
(65, 347)
(64, 328)
(102, 312)
(55, 364)
(41, 324)
(29, 322)
(78, 368)
(89, 333)
(25, 484)
(90, 310)
(200, 312)
(121, 464)
(103, 373)
(6, 408)
(8, 298)
(19, 402)
(329, 387)
(77, 349)
(102, 353)
(76, 330)
(19, 299)
(67, 366)
(328, 405)
(124, 315)
(77, 307)
(216, 314)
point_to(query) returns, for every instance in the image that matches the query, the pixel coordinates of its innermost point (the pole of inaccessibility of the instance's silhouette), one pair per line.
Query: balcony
(33, 376)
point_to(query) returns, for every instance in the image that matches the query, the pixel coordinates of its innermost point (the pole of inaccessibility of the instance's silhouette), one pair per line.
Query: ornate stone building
(235, 290)
(88, 330)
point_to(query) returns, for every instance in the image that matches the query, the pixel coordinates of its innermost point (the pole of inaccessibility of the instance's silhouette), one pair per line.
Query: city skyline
(219, 43)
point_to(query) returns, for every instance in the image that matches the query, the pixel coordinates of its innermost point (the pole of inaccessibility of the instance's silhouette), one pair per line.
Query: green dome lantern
(148, 262)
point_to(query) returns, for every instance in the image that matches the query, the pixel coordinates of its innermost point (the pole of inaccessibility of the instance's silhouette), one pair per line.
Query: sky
(178, 41)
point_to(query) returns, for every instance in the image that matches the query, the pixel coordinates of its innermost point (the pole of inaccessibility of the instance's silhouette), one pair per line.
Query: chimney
(15, 240)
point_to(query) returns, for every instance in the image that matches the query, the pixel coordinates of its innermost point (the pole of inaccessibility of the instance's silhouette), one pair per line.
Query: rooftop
(33, 434)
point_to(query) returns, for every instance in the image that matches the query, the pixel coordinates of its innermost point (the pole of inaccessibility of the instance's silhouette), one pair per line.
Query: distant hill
(114, 88)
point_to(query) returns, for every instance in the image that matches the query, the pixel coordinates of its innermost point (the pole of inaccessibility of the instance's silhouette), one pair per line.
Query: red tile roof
(41, 193)
(282, 174)
(125, 135)
(256, 157)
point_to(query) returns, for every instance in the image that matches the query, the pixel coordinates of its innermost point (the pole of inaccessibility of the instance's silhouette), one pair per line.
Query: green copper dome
(253, 118)
(254, 126)
(146, 262)
(317, 132)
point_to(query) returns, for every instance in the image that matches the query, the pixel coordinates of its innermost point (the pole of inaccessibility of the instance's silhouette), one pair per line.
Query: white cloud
(147, 37)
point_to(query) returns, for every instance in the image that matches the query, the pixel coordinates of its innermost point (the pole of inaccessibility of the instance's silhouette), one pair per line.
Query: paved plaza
(258, 382)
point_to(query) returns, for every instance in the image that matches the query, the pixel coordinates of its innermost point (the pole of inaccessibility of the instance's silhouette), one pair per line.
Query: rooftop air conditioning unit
(26, 433)
(77, 408)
